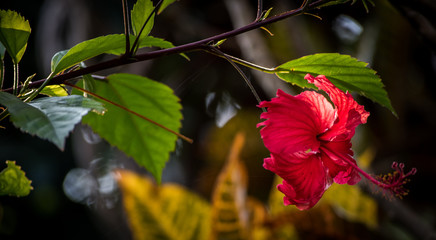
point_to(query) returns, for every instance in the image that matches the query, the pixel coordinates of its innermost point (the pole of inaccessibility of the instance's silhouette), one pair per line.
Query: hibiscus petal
(350, 113)
(336, 157)
(305, 179)
(293, 123)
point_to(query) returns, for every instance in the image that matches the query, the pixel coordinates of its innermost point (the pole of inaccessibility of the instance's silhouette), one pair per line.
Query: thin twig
(304, 4)
(130, 111)
(43, 85)
(259, 9)
(247, 81)
(126, 26)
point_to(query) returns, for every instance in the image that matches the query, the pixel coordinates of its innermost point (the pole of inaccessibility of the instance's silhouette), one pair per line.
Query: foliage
(143, 140)
(13, 181)
(167, 211)
(142, 18)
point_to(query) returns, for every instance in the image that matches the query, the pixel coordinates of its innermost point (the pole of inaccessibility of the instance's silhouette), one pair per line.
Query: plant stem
(2, 73)
(33, 95)
(243, 62)
(16, 80)
(4, 114)
(350, 161)
(259, 10)
(198, 45)
(126, 26)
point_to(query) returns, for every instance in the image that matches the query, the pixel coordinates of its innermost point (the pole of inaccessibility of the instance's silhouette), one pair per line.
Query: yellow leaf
(229, 210)
(54, 91)
(234, 215)
(163, 212)
(352, 204)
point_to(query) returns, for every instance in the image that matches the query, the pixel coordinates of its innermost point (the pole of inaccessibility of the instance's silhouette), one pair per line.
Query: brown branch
(198, 45)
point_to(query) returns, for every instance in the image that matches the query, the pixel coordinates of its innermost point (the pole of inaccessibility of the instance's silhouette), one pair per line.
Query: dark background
(398, 41)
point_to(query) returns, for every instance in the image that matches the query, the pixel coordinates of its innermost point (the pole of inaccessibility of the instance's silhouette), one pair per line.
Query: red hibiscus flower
(309, 137)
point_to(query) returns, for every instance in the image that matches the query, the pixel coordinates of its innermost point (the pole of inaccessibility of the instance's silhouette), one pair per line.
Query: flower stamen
(394, 182)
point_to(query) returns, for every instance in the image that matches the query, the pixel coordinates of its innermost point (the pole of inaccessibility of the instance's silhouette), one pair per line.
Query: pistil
(393, 182)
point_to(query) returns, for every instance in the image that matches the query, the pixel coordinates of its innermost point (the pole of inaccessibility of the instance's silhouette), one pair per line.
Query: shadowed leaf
(49, 118)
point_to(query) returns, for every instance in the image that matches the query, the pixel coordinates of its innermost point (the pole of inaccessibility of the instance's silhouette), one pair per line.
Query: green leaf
(140, 13)
(146, 142)
(86, 50)
(167, 212)
(164, 5)
(49, 118)
(265, 14)
(14, 32)
(54, 91)
(109, 44)
(343, 71)
(13, 181)
(56, 59)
